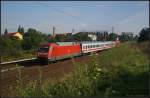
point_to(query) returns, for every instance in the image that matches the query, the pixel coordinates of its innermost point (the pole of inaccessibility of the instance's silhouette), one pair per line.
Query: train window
(43, 49)
(84, 47)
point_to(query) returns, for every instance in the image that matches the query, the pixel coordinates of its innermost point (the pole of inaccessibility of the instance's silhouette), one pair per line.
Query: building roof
(13, 33)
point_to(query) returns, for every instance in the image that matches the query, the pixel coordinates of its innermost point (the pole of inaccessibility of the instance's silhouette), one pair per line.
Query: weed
(115, 72)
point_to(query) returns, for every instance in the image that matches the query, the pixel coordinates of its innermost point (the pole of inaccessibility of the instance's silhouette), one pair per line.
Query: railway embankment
(115, 72)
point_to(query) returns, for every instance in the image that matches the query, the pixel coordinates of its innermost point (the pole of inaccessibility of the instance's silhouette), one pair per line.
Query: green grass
(120, 71)
(126, 72)
(18, 56)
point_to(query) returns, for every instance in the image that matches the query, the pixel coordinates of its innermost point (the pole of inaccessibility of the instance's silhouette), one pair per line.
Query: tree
(144, 35)
(20, 30)
(6, 32)
(69, 38)
(112, 37)
(10, 46)
(136, 38)
(51, 39)
(33, 38)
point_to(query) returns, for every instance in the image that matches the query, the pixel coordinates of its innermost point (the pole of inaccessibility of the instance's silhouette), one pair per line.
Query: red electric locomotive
(59, 50)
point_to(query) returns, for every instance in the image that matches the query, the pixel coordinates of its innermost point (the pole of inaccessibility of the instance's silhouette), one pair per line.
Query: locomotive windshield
(43, 49)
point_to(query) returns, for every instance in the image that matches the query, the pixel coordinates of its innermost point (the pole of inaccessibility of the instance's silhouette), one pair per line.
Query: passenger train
(60, 50)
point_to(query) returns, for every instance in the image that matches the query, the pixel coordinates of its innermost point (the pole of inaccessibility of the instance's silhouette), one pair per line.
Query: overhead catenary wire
(65, 13)
(68, 14)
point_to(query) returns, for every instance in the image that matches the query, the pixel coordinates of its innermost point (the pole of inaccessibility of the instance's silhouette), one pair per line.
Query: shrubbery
(14, 49)
(121, 71)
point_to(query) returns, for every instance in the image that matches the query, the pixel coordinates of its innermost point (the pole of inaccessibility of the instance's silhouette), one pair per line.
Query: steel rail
(17, 61)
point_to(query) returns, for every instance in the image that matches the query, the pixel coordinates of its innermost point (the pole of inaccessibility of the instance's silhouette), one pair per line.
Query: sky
(123, 16)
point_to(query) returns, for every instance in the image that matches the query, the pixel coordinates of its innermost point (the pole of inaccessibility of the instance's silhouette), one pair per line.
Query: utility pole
(112, 29)
(54, 31)
(73, 31)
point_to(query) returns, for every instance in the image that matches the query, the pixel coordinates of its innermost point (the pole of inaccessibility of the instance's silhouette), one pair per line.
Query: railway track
(57, 69)
(17, 61)
(11, 65)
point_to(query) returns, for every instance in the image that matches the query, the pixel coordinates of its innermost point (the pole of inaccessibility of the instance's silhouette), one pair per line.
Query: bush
(115, 72)
(125, 68)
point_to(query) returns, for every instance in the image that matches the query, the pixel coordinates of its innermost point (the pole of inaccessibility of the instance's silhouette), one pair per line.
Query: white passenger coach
(96, 46)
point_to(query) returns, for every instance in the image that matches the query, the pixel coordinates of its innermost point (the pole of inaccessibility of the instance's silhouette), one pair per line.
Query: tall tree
(20, 30)
(33, 38)
(144, 35)
(112, 36)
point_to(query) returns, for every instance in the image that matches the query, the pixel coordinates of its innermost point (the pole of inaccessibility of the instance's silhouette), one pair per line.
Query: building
(102, 35)
(92, 36)
(15, 34)
(68, 34)
(130, 34)
(97, 35)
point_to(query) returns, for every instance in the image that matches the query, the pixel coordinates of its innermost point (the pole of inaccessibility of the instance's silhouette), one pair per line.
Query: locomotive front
(43, 52)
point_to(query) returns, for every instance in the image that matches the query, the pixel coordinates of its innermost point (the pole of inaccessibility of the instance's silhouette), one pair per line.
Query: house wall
(19, 36)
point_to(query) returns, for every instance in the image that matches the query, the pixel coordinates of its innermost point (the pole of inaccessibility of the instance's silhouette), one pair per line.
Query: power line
(63, 12)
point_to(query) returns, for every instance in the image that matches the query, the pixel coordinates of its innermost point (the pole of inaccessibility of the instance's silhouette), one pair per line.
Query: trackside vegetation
(120, 71)
(14, 49)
